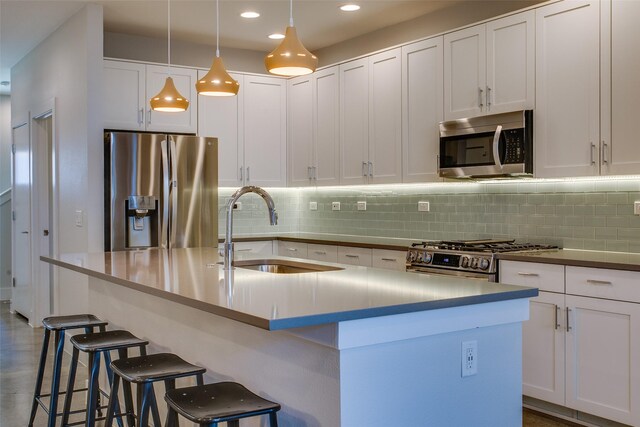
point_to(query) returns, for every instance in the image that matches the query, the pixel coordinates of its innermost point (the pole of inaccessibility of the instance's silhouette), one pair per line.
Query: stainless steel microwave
(497, 145)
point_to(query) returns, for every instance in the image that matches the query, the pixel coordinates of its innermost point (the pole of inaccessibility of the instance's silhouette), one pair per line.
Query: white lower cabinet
(326, 253)
(355, 256)
(389, 259)
(292, 249)
(580, 347)
(261, 248)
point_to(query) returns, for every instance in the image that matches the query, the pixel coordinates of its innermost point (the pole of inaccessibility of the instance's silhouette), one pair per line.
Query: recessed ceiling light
(276, 36)
(349, 7)
(250, 14)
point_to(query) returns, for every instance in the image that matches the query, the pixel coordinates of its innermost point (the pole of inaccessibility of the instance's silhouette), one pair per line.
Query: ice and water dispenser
(142, 222)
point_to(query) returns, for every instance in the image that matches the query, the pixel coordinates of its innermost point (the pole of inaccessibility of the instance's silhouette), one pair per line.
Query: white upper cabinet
(185, 81)
(128, 89)
(220, 117)
(124, 93)
(489, 68)
(566, 123)
(620, 88)
(265, 131)
(422, 109)
(313, 128)
(370, 119)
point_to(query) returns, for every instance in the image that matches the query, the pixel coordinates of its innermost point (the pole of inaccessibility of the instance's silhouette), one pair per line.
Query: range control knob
(411, 256)
(465, 262)
(427, 258)
(474, 263)
(483, 264)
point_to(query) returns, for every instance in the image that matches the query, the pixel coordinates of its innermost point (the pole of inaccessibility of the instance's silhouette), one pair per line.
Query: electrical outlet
(78, 218)
(469, 358)
(237, 206)
(335, 206)
(313, 206)
(423, 206)
(362, 206)
(636, 208)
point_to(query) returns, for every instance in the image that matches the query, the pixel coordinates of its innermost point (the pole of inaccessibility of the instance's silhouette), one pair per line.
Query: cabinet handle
(480, 97)
(243, 250)
(352, 256)
(292, 249)
(557, 321)
(364, 165)
(315, 173)
(370, 169)
(141, 116)
(248, 174)
(320, 252)
(308, 172)
(568, 324)
(604, 152)
(488, 97)
(389, 259)
(241, 174)
(522, 273)
(149, 117)
(599, 282)
(593, 147)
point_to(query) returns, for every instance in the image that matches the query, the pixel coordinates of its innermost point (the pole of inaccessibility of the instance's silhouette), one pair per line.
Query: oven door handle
(496, 146)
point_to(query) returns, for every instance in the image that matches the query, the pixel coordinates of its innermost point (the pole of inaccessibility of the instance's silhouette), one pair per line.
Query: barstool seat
(74, 321)
(106, 341)
(58, 325)
(211, 404)
(144, 371)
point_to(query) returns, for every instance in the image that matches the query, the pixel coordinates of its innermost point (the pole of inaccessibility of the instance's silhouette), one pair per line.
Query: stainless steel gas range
(467, 258)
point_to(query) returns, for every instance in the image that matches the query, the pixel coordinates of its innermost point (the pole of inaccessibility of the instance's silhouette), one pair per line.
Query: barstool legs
(55, 381)
(41, 366)
(70, 383)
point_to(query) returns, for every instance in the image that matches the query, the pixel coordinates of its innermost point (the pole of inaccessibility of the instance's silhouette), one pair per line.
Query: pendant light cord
(217, 31)
(291, 13)
(169, 37)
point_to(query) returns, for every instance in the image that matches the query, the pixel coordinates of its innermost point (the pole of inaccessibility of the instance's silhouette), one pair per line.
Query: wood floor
(20, 347)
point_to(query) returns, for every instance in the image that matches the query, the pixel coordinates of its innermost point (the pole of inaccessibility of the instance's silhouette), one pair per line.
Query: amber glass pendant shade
(291, 58)
(169, 99)
(217, 82)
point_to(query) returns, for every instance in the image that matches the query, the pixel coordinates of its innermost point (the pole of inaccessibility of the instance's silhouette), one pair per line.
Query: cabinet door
(543, 355)
(327, 126)
(185, 81)
(603, 348)
(265, 133)
(354, 256)
(257, 248)
(300, 135)
(124, 95)
(389, 259)
(385, 104)
(510, 63)
(620, 88)
(327, 253)
(220, 117)
(464, 73)
(292, 249)
(567, 89)
(422, 108)
(354, 122)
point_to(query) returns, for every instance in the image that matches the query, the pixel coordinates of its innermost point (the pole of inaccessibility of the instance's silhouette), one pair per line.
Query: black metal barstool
(59, 325)
(144, 371)
(210, 404)
(94, 345)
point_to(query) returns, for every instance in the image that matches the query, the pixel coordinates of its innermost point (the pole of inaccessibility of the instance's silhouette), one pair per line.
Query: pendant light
(217, 82)
(291, 58)
(169, 100)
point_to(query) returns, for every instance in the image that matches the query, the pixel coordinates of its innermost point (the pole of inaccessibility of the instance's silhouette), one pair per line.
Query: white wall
(67, 67)
(5, 200)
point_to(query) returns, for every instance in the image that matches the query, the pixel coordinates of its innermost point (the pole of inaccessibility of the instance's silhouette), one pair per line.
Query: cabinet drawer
(292, 249)
(603, 283)
(546, 277)
(327, 253)
(261, 248)
(354, 256)
(390, 260)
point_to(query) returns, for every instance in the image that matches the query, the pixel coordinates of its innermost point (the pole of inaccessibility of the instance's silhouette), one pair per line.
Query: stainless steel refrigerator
(160, 191)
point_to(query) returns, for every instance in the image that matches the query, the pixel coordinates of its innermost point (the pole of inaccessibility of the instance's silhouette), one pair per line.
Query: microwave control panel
(514, 146)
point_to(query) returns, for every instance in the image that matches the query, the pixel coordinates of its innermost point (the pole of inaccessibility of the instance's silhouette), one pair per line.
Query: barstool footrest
(46, 408)
(77, 423)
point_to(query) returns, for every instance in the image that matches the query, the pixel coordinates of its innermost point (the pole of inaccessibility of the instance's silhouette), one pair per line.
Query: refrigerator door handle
(173, 191)
(166, 192)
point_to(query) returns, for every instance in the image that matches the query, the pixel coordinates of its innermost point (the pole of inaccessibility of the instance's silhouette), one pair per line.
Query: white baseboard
(5, 293)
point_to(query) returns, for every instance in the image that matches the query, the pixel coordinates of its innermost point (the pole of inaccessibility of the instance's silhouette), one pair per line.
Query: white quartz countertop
(283, 301)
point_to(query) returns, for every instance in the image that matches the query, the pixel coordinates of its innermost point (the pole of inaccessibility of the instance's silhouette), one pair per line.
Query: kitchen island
(350, 347)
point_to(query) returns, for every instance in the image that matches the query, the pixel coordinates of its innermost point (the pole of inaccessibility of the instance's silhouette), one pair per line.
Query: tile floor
(20, 347)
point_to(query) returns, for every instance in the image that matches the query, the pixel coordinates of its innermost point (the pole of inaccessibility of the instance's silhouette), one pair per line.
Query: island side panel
(301, 375)
(418, 382)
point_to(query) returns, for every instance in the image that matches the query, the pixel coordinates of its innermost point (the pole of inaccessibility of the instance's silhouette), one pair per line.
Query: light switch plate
(313, 206)
(362, 206)
(636, 208)
(78, 218)
(423, 206)
(335, 206)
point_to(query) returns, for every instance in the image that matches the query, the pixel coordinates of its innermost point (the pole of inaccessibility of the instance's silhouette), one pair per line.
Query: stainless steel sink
(282, 266)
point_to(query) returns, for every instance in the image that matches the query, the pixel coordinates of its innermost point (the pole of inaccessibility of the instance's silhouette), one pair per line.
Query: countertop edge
(319, 242)
(611, 265)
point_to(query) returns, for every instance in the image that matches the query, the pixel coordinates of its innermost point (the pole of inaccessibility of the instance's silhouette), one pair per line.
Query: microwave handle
(496, 147)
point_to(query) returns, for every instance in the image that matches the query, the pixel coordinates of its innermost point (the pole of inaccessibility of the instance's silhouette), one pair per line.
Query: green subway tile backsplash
(578, 214)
